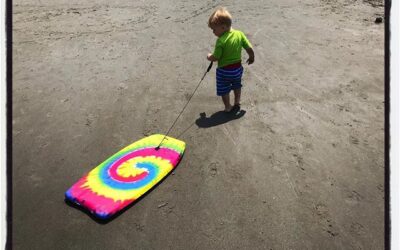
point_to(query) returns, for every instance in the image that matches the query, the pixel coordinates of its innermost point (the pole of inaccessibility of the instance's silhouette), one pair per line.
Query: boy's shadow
(218, 118)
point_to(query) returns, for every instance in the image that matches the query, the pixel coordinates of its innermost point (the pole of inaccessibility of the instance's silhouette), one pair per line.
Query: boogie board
(126, 175)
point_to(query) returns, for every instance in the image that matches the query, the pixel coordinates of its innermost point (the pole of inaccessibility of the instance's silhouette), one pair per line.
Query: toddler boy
(227, 52)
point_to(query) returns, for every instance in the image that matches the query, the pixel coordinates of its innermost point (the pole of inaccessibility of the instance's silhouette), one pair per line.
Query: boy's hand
(250, 52)
(250, 60)
(211, 58)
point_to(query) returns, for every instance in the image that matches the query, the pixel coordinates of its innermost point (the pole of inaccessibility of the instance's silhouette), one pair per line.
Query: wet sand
(301, 168)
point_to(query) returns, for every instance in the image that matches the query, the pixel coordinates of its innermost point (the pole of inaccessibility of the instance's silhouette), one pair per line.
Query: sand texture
(301, 167)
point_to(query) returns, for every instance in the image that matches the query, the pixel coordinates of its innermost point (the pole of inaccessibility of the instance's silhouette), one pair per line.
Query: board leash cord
(173, 124)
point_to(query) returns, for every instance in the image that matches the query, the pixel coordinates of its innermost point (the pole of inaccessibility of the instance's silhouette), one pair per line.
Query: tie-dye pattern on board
(126, 175)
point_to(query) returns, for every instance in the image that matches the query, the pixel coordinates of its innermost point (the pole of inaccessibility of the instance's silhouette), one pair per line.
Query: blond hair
(220, 16)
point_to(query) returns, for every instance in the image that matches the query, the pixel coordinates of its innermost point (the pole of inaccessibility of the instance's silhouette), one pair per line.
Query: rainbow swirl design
(127, 175)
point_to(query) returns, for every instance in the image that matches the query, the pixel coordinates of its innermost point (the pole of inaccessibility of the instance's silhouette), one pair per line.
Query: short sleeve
(245, 42)
(218, 50)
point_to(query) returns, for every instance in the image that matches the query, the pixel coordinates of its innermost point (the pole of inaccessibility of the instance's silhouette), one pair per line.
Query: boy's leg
(225, 99)
(237, 93)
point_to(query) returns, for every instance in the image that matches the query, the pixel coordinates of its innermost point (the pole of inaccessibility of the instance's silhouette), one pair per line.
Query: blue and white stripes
(228, 79)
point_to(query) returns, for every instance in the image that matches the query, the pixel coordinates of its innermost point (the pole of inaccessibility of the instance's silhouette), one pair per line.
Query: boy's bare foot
(235, 108)
(228, 109)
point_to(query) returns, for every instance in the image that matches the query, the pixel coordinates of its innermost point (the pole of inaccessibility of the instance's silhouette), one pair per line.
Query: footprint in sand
(212, 169)
(325, 219)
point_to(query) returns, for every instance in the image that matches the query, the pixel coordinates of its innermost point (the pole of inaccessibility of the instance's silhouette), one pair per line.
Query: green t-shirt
(228, 48)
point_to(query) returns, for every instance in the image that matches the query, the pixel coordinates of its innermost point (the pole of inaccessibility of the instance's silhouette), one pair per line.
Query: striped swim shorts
(228, 79)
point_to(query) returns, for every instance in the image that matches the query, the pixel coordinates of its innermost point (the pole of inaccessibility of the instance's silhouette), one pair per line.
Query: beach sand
(302, 168)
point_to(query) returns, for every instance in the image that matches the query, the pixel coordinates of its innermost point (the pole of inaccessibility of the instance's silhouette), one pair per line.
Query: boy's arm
(250, 52)
(211, 57)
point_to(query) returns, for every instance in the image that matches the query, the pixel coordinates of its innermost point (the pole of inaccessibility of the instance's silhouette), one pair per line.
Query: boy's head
(220, 21)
